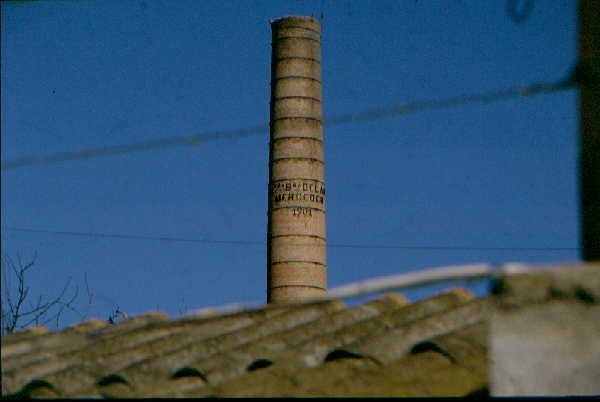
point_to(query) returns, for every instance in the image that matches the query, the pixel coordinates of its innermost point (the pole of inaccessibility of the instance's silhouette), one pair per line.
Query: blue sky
(87, 74)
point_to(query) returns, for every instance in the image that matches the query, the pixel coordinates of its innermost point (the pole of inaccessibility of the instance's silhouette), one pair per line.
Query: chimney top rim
(290, 16)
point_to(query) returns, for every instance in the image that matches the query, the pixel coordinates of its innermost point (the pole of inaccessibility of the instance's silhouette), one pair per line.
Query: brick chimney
(296, 238)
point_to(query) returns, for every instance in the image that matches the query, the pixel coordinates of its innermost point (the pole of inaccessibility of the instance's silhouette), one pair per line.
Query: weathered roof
(315, 349)
(383, 347)
(545, 333)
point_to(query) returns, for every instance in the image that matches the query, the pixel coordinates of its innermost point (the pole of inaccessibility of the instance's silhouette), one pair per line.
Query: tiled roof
(383, 347)
(545, 333)
(386, 346)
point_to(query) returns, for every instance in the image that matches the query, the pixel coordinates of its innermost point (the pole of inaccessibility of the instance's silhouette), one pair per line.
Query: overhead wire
(367, 115)
(167, 142)
(257, 243)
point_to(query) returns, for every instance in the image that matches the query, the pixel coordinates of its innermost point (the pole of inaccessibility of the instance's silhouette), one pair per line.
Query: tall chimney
(296, 238)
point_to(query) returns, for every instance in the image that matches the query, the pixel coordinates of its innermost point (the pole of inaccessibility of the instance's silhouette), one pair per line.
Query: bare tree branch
(90, 296)
(117, 316)
(18, 314)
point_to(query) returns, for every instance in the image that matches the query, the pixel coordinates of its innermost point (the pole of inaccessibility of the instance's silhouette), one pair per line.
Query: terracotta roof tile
(425, 372)
(396, 343)
(244, 352)
(383, 347)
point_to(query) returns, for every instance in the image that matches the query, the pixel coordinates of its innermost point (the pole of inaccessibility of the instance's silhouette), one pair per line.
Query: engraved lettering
(300, 211)
(294, 191)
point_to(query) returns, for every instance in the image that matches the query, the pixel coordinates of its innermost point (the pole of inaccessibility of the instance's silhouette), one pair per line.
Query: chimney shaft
(296, 238)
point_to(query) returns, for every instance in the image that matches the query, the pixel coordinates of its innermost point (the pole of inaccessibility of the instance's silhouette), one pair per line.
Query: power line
(260, 243)
(462, 100)
(368, 115)
(133, 237)
(89, 153)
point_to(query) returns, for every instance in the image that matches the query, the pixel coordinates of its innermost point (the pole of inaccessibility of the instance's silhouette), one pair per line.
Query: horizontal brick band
(297, 125)
(293, 137)
(297, 97)
(298, 286)
(287, 77)
(318, 122)
(297, 37)
(298, 57)
(300, 167)
(299, 235)
(298, 206)
(292, 295)
(297, 157)
(299, 261)
(300, 27)
(296, 117)
(296, 107)
(297, 178)
(285, 221)
(297, 148)
(297, 249)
